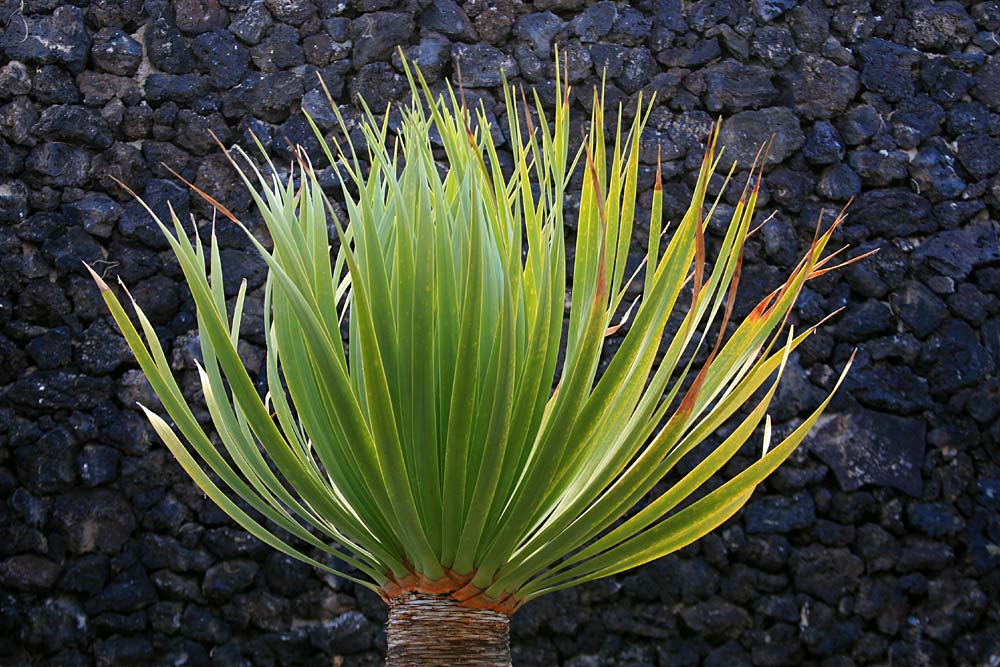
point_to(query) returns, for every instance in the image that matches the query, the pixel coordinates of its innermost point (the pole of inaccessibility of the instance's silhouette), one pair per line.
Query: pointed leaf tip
(103, 286)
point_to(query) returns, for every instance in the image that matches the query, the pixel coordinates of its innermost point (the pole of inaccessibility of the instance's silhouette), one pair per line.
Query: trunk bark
(434, 631)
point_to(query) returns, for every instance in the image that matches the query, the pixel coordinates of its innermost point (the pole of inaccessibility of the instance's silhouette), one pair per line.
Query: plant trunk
(434, 631)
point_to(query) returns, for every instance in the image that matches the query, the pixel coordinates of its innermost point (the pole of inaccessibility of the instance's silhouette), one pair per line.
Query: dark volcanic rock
(376, 36)
(820, 88)
(221, 56)
(60, 38)
(866, 447)
(483, 65)
(919, 308)
(447, 18)
(744, 133)
(224, 580)
(168, 49)
(892, 212)
(28, 573)
(941, 26)
(97, 520)
(348, 633)
(734, 87)
(979, 154)
(888, 69)
(716, 618)
(74, 124)
(780, 514)
(955, 253)
(116, 52)
(826, 573)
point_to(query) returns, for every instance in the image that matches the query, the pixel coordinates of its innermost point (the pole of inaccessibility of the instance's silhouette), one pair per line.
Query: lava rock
(744, 133)
(839, 183)
(768, 10)
(201, 624)
(58, 38)
(228, 578)
(867, 320)
(98, 464)
(279, 51)
(251, 24)
(956, 358)
(295, 12)
(866, 447)
(377, 35)
(823, 144)
(347, 634)
(136, 222)
(13, 201)
(74, 124)
(14, 80)
(447, 18)
(892, 212)
(483, 65)
(919, 308)
(115, 52)
(198, 16)
(828, 574)
(86, 574)
(955, 253)
(887, 68)
(716, 619)
(28, 573)
(933, 170)
(734, 87)
(820, 88)
(915, 120)
(987, 86)
(221, 56)
(94, 520)
(178, 88)
(979, 154)
(169, 51)
(538, 29)
(269, 97)
(941, 26)
(60, 165)
(935, 519)
(123, 652)
(48, 391)
(779, 514)
(95, 212)
(52, 349)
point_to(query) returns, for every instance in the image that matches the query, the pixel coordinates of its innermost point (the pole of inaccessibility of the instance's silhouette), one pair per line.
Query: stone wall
(877, 544)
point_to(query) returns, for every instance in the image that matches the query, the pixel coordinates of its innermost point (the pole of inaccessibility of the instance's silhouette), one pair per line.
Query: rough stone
(820, 88)
(867, 447)
(168, 49)
(744, 133)
(221, 56)
(57, 38)
(734, 87)
(780, 514)
(888, 69)
(377, 35)
(95, 520)
(941, 26)
(115, 52)
(74, 124)
(483, 65)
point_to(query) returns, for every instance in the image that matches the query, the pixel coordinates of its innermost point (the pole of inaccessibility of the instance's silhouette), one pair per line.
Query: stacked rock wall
(878, 544)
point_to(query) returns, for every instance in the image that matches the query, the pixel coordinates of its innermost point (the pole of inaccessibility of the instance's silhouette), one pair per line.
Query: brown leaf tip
(97, 279)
